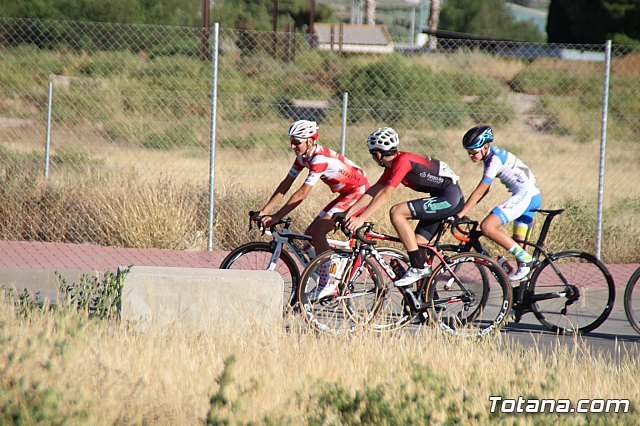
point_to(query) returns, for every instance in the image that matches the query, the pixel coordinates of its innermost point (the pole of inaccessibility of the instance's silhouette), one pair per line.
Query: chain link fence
(130, 126)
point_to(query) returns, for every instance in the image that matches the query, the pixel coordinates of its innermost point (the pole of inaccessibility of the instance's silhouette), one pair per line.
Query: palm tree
(370, 12)
(434, 17)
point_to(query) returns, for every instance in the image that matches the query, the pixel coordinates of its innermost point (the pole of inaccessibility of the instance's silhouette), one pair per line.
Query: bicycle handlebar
(358, 235)
(457, 225)
(253, 217)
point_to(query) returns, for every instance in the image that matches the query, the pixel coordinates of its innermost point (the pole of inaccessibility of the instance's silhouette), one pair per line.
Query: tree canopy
(489, 18)
(594, 21)
(168, 12)
(246, 14)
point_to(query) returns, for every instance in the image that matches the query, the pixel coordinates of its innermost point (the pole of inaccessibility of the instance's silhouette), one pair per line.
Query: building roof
(353, 34)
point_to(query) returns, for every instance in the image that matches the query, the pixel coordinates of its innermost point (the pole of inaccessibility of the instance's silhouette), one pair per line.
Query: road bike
(467, 294)
(632, 301)
(569, 291)
(286, 252)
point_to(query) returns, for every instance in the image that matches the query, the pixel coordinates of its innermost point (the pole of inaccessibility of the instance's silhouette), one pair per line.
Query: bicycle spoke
(471, 296)
(355, 303)
(580, 307)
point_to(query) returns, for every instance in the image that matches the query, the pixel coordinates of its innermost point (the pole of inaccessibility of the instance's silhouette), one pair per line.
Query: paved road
(615, 336)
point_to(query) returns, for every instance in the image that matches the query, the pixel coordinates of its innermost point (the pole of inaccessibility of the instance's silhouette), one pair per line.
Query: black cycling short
(431, 211)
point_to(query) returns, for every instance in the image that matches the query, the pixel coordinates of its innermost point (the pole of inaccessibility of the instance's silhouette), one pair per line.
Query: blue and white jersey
(512, 172)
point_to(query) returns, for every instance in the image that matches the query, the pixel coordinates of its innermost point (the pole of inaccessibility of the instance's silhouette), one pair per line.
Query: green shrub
(391, 91)
(99, 298)
(74, 159)
(539, 80)
(180, 135)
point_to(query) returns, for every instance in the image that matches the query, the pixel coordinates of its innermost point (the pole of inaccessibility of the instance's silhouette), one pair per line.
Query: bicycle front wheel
(469, 295)
(355, 295)
(581, 305)
(258, 256)
(632, 301)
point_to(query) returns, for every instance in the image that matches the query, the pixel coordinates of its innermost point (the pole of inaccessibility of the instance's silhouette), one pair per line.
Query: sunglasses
(473, 151)
(296, 141)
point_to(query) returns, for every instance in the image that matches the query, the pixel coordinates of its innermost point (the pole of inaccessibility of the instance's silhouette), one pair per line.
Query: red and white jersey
(338, 172)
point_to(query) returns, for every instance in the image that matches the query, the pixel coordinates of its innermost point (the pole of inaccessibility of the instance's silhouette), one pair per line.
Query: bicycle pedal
(420, 318)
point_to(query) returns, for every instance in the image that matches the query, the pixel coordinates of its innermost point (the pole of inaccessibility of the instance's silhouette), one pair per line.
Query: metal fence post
(212, 150)
(345, 100)
(47, 148)
(603, 142)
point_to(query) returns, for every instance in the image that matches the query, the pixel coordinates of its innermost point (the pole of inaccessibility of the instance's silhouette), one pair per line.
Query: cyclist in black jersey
(422, 174)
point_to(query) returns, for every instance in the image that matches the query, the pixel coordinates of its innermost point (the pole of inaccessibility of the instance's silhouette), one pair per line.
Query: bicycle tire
(255, 256)
(449, 250)
(356, 302)
(591, 280)
(394, 312)
(469, 296)
(631, 305)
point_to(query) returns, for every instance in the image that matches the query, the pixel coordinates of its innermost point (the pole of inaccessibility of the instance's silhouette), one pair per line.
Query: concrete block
(44, 281)
(201, 298)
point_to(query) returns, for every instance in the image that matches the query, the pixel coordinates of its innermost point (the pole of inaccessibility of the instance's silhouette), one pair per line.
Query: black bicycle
(285, 253)
(632, 301)
(569, 292)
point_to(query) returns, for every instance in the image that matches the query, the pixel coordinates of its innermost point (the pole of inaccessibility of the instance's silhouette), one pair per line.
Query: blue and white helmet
(477, 137)
(304, 129)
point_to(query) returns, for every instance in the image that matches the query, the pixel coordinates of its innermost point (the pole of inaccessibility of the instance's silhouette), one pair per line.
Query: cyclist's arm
(293, 202)
(364, 200)
(476, 196)
(278, 194)
(382, 196)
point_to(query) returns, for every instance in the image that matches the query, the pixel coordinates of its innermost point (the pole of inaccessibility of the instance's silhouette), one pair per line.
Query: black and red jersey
(422, 174)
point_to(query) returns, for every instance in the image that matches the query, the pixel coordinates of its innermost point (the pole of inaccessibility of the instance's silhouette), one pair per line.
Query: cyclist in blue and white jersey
(520, 182)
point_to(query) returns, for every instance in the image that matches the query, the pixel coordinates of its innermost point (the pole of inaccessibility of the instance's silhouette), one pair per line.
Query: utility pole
(275, 15)
(204, 32)
(312, 12)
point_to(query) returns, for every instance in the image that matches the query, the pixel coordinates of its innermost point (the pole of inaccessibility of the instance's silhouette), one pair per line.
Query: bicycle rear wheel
(584, 305)
(632, 301)
(469, 295)
(357, 299)
(256, 256)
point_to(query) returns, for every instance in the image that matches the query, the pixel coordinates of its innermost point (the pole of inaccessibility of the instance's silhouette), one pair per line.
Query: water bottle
(398, 269)
(504, 263)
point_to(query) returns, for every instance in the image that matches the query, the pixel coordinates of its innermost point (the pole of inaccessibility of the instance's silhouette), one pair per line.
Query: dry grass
(104, 373)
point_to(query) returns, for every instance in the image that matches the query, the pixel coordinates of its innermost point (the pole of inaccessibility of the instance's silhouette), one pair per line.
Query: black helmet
(477, 137)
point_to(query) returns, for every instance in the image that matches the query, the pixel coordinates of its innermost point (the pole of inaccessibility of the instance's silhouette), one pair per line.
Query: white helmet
(304, 129)
(384, 139)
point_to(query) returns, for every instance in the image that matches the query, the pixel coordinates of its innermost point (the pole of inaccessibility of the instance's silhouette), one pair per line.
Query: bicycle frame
(366, 244)
(472, 241)
(285, 236)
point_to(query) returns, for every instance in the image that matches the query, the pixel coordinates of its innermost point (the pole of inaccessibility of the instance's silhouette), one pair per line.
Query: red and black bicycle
(467, 294)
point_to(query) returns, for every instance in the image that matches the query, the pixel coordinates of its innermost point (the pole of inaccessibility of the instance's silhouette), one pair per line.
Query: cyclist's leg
(517, 207)
(319, 229)
(430, 212)
(441, 207)
(523, 224)
(323, 223)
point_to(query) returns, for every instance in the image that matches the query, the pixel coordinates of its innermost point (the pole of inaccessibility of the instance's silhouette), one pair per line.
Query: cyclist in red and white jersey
(422, 174)
(339, 173)
(520, 182)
